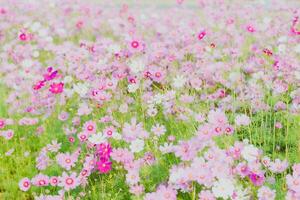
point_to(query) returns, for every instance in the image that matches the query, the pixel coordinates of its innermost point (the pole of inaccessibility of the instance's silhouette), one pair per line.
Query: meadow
(159, 100)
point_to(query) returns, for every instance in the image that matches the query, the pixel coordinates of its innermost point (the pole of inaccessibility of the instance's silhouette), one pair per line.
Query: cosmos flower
(24, 184)
(56, 88)
(223, 188)
(68, 182)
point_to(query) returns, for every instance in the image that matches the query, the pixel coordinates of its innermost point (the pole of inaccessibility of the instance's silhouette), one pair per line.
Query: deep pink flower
(23, 37)
(56, 88)
(50, 75)
(104, 165)
(39, 85)
(257, 179)
(2, 123)
(250, 29)
(103, 150)
(201, 35)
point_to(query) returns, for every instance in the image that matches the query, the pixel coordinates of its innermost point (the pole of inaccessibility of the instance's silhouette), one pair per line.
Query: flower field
(150, 100)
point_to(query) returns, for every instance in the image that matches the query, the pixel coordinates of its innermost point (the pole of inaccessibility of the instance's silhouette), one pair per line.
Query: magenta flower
(103, 165)
(2, 123)
(103, 150)
(257, 179)
(201, 35)
(39, 85)
(50, 75)
(56, 88)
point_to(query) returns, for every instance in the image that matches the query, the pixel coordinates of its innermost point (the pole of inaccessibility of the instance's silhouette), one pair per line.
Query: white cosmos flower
(281, 48)
(69, 93)
(27, 63)
(250, 153)
(35, 26)
(97, 138)
(166, 148)
(137, 145)
(223, 188)
(242, 120)
(114, 48)
(297, 48)
(81, 89)
(242, 194)
(117, 136)
(84, 109)
(133, 87)
(137, 65)
(179, 81)
(158, 98)
(68, 79)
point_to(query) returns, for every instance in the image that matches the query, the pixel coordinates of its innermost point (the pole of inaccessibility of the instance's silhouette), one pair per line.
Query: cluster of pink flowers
(54, 88)
(182, 89)
(103, 163)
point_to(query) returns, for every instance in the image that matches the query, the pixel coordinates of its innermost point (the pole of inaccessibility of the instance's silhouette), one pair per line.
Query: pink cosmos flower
(24, 184)
(132, 177)
(185, 150)
(54, 146)
(133, 131)
(83, 136)
(68, 182)
(149, 158)
(206, 195)
(90, 127)
(278, 166)
(109, 131)
(8, 134)
(294, 26)
(66, 160)
(54, 181)
(137, 189)
(162, 193)
(158, 129)
(56, 88)
(136, 45)
(293, 182)
(242, 120)
(278, 125)
(42, 161)
(265, 193)
(122, 155)
(296, 169)
(40, 180)
(217, 117)
(63, 116)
